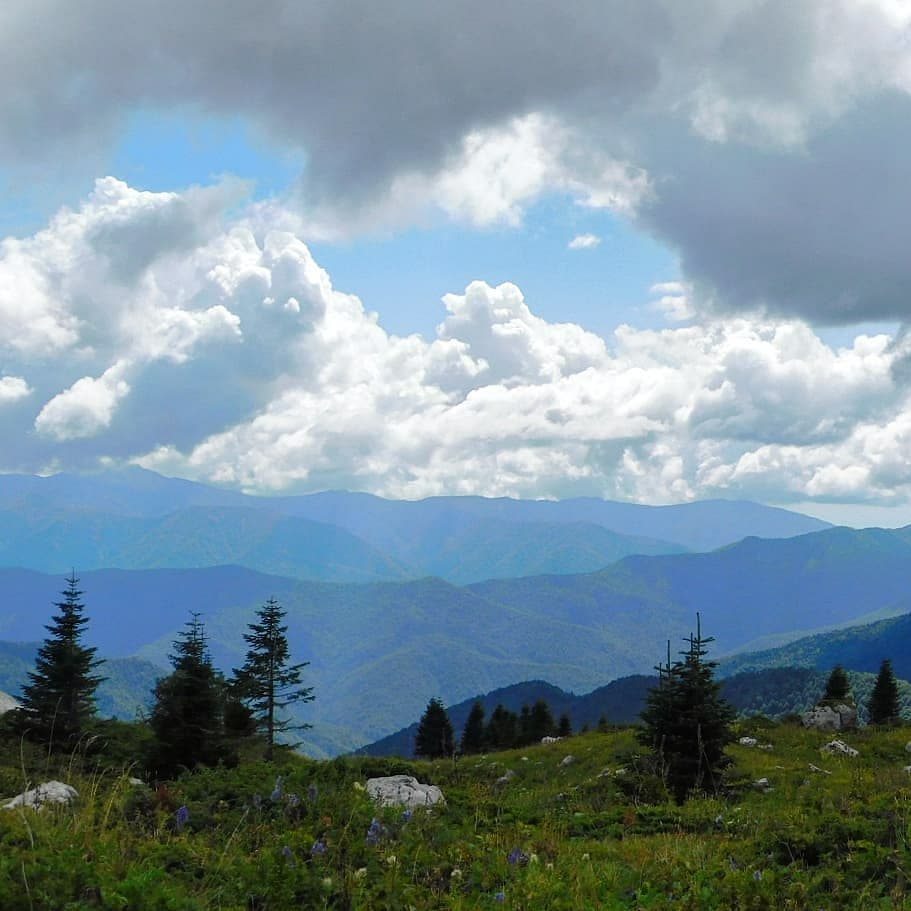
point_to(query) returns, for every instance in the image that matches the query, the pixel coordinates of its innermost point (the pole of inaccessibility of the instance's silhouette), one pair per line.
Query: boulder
(403, 791)
(48, 792)
(841, 717)
(840, 748)
(567, 761)
(748, 742)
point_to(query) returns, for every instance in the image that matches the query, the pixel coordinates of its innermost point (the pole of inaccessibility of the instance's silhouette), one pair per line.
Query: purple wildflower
(312, 793)
(375, 832)
(288, 854)
(181, 817)
(517, 857)
(406, 816)
(499, 897)
(257, 801)
(276, 794)
(319, 847)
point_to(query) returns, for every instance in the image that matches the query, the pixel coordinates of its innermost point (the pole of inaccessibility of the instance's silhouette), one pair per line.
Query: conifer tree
(884, 705)
(187, 717)
(541, 722)
(434, 739)
(267, 682)
(59, 698)
(502, 731)
(687, 722)
(564, 726)
(838, 687)
(473, 732)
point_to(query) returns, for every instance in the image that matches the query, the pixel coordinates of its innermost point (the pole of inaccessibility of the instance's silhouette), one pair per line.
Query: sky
(645, 251)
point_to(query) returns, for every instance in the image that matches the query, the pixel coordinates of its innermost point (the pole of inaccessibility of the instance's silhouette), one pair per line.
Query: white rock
(506, 777)
(567, 761)
(908, 747)
(840, 748)
(47, 792)
(403, 791)
(748, 742)
(830, 718)
(550, 739)
(908, 769)
(816, 768)
(762, 784)
(7, 703)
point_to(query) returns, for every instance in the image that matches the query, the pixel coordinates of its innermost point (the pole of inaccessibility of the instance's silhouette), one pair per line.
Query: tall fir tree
(687, 722)
(884, 704)
(187, 717)
(473, 732)
(267, 683)
(502, 730)
(838, 686)
(59, 699)
(434, 738)
(541, 722)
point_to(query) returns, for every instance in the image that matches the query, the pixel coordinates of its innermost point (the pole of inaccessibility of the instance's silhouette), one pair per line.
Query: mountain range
(135, 519)
(393, 602)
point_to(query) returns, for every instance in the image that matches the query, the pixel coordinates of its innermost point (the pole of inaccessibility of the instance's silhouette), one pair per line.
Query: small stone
(403, 791)
(748, 742)
(840, 748)
(763, 785)
(48, 792)
(567, 760)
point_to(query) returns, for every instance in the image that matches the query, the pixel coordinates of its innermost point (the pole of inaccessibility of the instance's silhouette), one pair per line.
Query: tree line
(504, 730)
(198, 717)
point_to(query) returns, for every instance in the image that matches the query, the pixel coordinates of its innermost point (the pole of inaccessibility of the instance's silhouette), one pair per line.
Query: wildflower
(499, 897)
(586, 856)
(517, 857)
(327, 882)
(375, 832)
(392, 860)
(406, 815)
(456, 874)
(293, 801)
(288, 854)
(257, 801)
(360, 872)
(757, 875)
(182, 817)
(276, 794)
(319, 847)
(532, 858)
(359, 786)
(312, 793)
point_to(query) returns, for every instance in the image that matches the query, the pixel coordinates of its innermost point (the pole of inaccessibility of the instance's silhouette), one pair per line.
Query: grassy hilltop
(586, 833)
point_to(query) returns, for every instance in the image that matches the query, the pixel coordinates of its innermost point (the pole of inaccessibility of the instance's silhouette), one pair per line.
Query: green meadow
(526, 829)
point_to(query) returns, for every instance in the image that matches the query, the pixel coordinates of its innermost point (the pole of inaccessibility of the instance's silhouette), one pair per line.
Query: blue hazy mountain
(133, 518)
(464, 549)
(378, 651)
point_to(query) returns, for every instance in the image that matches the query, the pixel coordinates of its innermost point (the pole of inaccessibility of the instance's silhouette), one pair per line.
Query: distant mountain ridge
(378, 651)
(134, 519)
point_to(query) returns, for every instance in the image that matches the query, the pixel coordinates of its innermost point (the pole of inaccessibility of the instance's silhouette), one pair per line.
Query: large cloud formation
(762, 139)
(231, 357)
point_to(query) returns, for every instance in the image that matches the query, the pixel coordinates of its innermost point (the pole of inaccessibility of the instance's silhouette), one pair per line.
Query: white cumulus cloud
(234, 358)
(584, 242)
